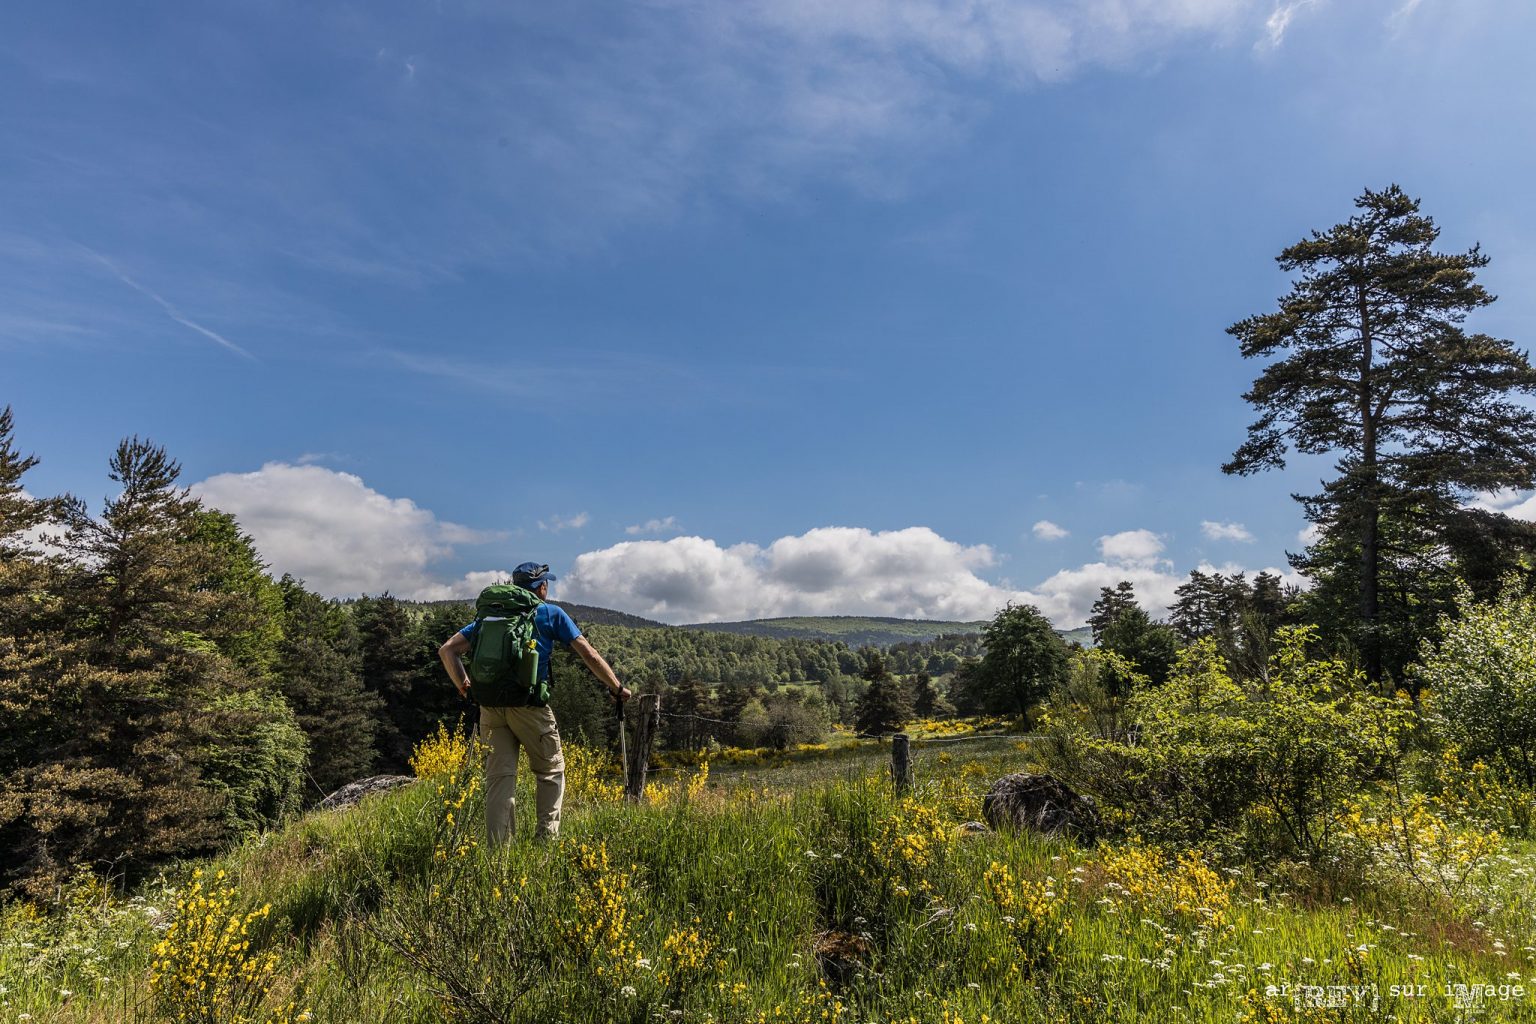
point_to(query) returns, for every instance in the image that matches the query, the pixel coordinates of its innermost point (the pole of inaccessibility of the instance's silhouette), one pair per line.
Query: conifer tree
(1376, 368)
(732, 700)
(1111, 603)
(251, 626)
(883, 706)
(319, 672)
(152, 743)
(925, 699)
(391, 665)
(692, 699)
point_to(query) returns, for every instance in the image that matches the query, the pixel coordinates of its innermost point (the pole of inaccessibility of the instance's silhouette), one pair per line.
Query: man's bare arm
(599, 667)
(449, 653)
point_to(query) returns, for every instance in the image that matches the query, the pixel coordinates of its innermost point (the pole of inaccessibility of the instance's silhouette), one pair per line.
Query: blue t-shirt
(550, 626)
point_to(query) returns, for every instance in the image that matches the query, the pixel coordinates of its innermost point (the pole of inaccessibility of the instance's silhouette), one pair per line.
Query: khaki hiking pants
(505, 730)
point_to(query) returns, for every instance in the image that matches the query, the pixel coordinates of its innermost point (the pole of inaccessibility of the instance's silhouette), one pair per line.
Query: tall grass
(807, 893)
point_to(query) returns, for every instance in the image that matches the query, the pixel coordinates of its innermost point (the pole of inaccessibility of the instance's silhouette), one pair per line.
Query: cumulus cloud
(337, 533)
(1133, 547)
(1515, 504)
(1226, 531)
(40, 539)
(344, 538)
(1309, 535)
(910, 573)
(1047, 530)
(555, 524)
(653, 526)
(1067, 596)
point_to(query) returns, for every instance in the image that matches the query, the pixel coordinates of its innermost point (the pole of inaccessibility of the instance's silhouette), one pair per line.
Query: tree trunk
(1370, 610)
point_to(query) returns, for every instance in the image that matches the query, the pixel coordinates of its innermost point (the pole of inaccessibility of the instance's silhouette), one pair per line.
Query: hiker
(523, 718)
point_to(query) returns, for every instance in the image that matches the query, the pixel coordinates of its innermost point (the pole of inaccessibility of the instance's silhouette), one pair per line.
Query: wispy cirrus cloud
(528, 132)
(170, 310)
(559, 524)
(666, 525)
(1280, 20)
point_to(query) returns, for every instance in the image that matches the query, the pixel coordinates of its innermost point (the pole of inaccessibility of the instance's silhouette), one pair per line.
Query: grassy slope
(379, 913)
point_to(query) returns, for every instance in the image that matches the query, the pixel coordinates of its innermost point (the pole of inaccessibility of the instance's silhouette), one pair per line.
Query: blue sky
(790, 307)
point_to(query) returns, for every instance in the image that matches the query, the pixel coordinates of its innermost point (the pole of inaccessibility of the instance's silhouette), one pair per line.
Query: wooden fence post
(901, 761)
(640, 754)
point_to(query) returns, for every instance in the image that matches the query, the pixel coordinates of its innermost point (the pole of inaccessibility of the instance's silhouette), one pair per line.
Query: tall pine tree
(152, 743)
(1377, 370)
(883, 707)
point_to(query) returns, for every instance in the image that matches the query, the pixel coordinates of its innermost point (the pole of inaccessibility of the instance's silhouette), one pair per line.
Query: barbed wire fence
(901, 744)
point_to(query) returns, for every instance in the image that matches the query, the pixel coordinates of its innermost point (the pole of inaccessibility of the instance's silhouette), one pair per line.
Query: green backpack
(504, 661)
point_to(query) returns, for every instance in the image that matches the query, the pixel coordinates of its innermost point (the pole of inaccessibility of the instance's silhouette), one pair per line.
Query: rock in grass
(352, 792)
(1042, 804)
(841, 955)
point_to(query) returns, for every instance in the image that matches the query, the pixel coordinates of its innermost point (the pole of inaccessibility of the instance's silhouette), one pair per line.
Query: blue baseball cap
(531, 574)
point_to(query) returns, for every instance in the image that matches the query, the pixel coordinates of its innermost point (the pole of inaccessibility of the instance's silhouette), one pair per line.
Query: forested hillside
(854, 630)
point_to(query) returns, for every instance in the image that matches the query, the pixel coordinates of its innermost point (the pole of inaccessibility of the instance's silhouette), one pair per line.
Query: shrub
(1269, 765)
(210, 967)
(1482, 681)
(442, 754)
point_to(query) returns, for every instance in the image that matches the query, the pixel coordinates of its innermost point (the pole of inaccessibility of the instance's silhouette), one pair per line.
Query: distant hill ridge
(584, 614)
(853, 630)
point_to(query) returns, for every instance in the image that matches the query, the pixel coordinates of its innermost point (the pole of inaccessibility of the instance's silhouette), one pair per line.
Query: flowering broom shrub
(210, 967)
(443, 753)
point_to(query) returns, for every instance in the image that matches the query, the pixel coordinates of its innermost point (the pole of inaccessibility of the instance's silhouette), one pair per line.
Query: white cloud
(555, 524)
(345, 538)
(40, 538)
(338, 534)
(1280, 20)
(1309, 535)
(1515, 504)
(1133, 547)
(1047, 530)
(910, 573)
(653, 526)
(464, 588)
(1226, 531)
(171, 311)
(1067, 596)
(1400, 17)
(311, 458)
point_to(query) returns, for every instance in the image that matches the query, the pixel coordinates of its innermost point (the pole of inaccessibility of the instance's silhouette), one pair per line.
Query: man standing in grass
(530, 726)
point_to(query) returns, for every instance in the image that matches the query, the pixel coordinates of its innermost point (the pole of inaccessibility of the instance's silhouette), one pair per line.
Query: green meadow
(803, 891)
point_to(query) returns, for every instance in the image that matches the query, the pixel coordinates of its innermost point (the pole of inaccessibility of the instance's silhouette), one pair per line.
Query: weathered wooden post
(901, 761)
(646, 727)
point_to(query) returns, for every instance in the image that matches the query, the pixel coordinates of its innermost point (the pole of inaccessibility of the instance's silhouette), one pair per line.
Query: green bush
(1482, 681)
(254, 758)
(1268, 766)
